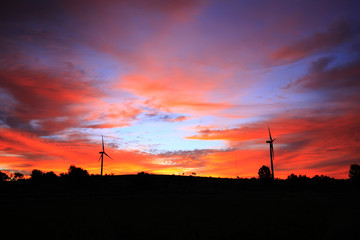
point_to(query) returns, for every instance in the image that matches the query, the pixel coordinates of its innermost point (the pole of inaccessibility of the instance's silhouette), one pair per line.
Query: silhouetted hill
(180, 207)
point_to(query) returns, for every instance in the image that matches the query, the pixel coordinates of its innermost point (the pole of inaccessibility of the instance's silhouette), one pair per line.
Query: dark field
(174, 207)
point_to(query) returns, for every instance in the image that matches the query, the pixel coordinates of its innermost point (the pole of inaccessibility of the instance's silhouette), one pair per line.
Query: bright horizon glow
(180, 86)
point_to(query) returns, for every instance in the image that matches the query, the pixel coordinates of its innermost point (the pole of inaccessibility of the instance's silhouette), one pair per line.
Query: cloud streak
(337, 34)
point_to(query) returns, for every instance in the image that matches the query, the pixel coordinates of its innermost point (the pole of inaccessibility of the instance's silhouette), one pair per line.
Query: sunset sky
(180, 86)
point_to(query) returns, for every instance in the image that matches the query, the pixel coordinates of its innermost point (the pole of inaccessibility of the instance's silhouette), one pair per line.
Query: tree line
(354, 175)
(77, 173)
(40, 176)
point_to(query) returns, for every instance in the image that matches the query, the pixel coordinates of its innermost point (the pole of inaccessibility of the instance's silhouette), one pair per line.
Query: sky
(180, 87)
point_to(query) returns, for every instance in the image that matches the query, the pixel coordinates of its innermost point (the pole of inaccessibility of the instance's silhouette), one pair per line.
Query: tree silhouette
(77, 173)
(3, 176)
(354, 172)
(50, 177)
(264, 173)
(36, 175)
(40, 176)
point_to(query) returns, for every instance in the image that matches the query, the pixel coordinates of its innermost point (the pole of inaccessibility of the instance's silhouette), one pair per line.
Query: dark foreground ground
(173, 207)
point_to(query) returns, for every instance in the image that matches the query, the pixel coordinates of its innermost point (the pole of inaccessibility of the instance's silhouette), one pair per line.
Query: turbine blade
(269, 133)
(102, 137)
(107, 155)
(99, 158)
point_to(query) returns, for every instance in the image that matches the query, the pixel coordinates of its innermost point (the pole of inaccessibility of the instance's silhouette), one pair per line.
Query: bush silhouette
(142, 173)
(322, 178)
(292, 177)
(3, 176)
(18, 175)
(301, 178)
(264, 173)
(354, 172)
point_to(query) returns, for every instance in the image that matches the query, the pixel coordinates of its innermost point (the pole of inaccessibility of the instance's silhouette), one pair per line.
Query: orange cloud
(304, 146)
(21, 151)
(177, 90)
(311, 145)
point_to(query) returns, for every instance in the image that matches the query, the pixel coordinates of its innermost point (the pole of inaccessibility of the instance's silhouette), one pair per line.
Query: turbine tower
(102, 155)
(271, 153)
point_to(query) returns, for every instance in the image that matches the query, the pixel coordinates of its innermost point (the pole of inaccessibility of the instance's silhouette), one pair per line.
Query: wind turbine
(102, 155)
(271, 153)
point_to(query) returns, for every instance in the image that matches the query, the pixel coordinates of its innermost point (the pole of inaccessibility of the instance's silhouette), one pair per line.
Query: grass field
(169, 207)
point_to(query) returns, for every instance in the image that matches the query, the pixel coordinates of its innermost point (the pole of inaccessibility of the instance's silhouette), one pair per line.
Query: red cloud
(44, 101)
